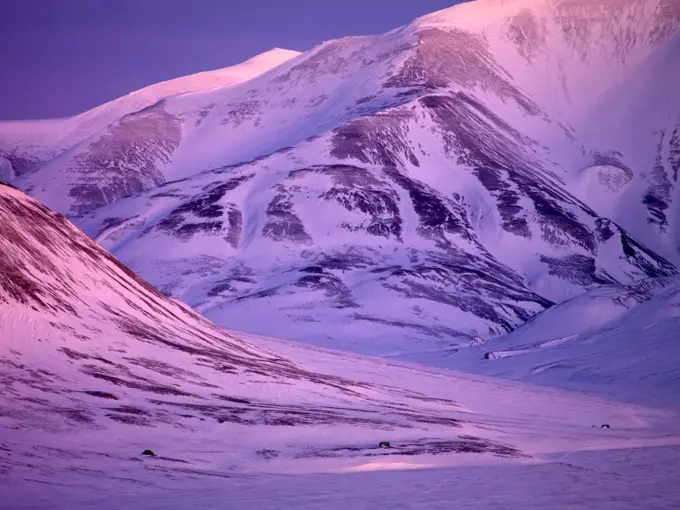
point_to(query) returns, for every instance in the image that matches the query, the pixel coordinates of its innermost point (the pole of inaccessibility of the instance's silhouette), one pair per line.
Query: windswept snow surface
(607, 480)
(489, 190)
(96, 366)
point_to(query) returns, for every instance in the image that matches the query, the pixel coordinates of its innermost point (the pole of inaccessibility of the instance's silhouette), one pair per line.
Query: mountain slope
(101, 326)
(444, 181)
(616, 341)
(89, 347)
(96, 366)
(25, 145)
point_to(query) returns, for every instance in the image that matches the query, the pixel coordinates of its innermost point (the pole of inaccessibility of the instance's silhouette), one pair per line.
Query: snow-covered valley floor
(613, 479)
(568, 460)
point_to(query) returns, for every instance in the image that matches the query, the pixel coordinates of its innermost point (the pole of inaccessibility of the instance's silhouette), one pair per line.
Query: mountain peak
(486, 13)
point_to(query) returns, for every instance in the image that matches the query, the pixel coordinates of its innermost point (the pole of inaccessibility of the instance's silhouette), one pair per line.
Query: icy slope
(633, 356)
(97, 366)
(447, 179)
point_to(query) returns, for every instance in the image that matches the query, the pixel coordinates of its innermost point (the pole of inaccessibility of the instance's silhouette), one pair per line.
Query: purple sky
(62, 57)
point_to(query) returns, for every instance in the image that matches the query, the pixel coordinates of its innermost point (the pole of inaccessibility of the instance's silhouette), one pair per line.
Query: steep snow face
(640, 122)
(446, 180)
(606, 71)
(97, 366)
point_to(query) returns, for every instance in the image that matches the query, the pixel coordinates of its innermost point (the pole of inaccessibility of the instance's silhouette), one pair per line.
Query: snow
(617, 342)
(70, 131)
(69, 372)
(281, 116)
(97, 366)
(614, 479)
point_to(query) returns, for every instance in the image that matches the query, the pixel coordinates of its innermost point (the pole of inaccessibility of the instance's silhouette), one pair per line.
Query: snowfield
(611, 480)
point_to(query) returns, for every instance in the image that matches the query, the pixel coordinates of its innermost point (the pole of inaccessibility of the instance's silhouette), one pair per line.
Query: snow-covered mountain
(96, 367)
(444, 181)
(28, 144)
(89, 347)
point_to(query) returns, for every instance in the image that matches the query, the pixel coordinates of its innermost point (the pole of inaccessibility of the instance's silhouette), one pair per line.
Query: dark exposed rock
(463, 444)
(125, 160)
(577, 269)
(21, 164)
(209, 210)
(332, 286)
(674, 153)
(604, 229)
(528, 33)
(657, 198)
(282, 222)
(649, 262)
(102, 394)
(244, 111)
(613, 158)
(436, 214)
(235, 222)
(344, 261)
(239, 277)
(267, 454)
(454, 56)
(379, 139)
(356, 189)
